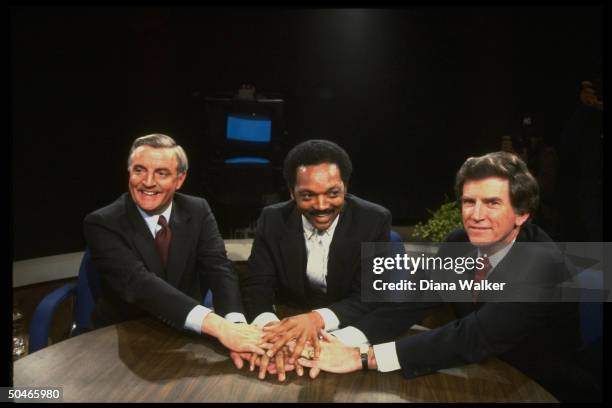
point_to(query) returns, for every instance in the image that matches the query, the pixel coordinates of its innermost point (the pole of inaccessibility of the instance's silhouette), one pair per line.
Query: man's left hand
(335, 357)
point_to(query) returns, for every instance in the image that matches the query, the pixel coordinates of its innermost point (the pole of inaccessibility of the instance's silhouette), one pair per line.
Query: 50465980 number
(31, 394)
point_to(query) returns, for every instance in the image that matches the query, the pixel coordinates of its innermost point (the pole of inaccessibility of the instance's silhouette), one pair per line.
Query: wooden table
(144, 360)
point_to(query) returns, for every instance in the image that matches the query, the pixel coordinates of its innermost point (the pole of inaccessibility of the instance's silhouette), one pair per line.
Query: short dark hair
(524, 190)
(316, 151)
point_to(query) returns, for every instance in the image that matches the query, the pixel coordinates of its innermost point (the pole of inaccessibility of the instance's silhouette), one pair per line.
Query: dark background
(408, 92)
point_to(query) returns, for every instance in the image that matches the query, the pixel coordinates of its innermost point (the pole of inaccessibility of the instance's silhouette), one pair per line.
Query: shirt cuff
(329, 319)
(351, 336)
(196, 317)
(386, 357)
(235, 317)
(264, 318)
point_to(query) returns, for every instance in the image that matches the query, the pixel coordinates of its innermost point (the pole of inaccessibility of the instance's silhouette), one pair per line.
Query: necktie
(315, 268)
(480, 275)
(162, 239)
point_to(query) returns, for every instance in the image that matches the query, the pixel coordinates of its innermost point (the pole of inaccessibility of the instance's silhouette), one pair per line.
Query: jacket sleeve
(260, 282)
(494, 329)
(378, 321)
(352, 308)
(215, 268)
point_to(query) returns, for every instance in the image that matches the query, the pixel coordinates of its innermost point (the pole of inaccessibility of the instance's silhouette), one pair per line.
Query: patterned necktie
(162, 239)
(480, 275)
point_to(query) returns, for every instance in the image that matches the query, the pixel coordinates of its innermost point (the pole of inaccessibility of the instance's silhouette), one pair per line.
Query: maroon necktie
(162, 239)
(480, 275)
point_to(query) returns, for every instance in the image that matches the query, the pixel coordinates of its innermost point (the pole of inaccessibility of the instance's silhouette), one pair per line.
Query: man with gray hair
(158, 251)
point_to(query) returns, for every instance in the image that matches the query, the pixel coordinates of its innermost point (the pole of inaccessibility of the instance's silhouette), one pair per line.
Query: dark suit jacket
(277, 265)
(527, 335)
(132, 277)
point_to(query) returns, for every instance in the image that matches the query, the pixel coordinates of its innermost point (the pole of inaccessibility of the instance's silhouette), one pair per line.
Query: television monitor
(249, 127)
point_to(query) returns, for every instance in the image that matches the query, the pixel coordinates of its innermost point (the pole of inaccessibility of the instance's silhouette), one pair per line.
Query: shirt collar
(151, 220)
(310, 230)
(499, 255)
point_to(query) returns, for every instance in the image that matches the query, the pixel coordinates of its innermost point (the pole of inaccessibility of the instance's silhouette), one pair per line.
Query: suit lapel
(337, 265)
(179, 246)
(293, 251)
(143, 240)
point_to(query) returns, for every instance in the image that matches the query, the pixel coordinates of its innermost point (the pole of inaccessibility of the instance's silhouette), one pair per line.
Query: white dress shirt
(317, 254)
(386, 353)
(196, 316)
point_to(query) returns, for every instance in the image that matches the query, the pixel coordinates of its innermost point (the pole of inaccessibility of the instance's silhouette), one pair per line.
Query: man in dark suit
(157, 251)
(306, 254)
(497, 195)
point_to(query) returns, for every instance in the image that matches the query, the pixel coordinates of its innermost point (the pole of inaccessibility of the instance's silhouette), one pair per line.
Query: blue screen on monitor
(247, 160)
(248, 128)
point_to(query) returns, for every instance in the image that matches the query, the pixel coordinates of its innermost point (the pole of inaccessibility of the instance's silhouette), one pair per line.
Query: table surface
(145, 360)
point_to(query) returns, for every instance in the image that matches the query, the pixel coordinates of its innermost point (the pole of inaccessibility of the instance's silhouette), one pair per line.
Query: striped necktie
(162, 239)
(480, 275)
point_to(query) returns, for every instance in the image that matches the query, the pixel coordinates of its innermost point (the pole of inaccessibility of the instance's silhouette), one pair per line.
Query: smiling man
(306, 253)
(158, 251)
(488, 217)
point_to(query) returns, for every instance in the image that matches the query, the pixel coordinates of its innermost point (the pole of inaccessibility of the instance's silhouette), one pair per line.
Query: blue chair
(85, 292)
(591, 312)
(208, 299)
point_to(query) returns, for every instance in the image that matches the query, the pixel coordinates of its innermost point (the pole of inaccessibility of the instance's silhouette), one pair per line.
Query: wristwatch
(363, 351)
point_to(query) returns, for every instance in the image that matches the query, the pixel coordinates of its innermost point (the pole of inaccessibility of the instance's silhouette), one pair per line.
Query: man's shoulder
(113, 210)
(279, 214)
(282, 208)
(361, 205)
(190, 201)
(532, 233)
(458, 235)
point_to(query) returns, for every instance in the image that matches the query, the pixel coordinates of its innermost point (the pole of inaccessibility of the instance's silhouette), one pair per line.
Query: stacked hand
(301, 328)
(278, 364)
(285, 341)
(335, 357)
(236, 337)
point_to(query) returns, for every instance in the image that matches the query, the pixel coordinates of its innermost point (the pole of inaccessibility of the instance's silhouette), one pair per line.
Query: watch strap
(363, 351)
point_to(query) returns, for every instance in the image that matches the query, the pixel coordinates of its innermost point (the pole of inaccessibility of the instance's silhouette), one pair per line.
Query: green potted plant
(443, 220)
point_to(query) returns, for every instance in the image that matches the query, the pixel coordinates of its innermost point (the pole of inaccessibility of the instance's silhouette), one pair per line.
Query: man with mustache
(306, 254)
(158, 251)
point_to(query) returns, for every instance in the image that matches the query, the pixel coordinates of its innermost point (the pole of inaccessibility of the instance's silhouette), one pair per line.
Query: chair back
(88, 289)
(85, 291)
(208, 299)
(394, 237)
(591, 313)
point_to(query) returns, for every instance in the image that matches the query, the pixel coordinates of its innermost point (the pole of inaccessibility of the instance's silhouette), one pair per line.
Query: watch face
(363, 349)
